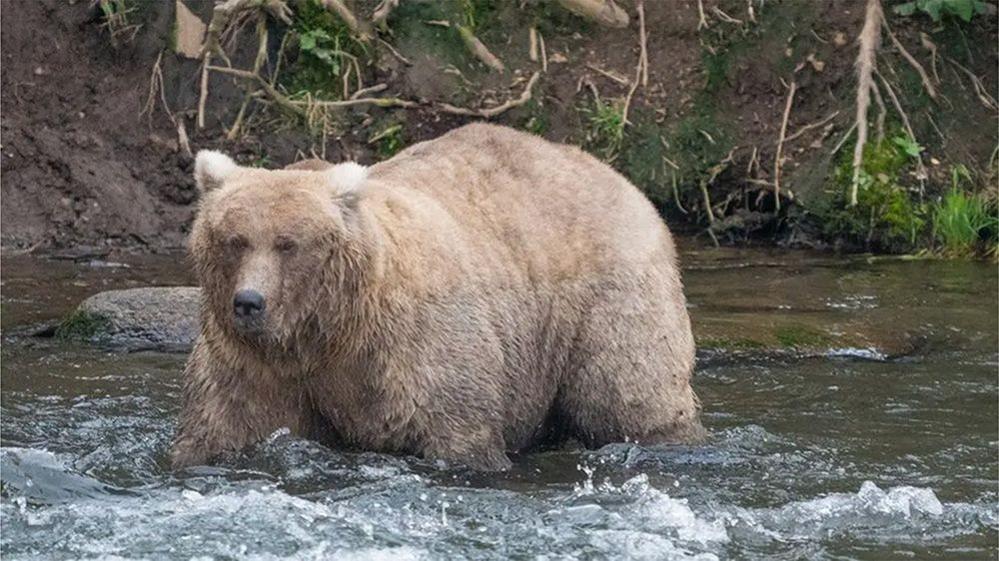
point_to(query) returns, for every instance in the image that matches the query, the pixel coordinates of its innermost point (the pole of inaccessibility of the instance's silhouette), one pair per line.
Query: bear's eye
(285, 245)
(236, 243)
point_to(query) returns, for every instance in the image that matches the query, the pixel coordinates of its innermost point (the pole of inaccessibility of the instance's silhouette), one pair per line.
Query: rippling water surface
(858, 454)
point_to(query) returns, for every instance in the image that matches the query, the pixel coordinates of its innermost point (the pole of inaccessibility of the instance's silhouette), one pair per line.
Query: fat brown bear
(477, 294)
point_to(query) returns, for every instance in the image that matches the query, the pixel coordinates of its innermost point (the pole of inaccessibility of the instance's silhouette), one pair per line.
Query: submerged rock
(152, 318)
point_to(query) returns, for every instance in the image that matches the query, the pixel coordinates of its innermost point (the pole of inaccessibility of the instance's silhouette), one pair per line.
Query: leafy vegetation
(963, 221)
(605, 127)
(938, 9)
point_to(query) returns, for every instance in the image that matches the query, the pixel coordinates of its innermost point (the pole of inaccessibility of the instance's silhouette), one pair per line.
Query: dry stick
(921, 174)
(810, 126)
(980, 90)
(369, 90)
(882, 112)
(912, 61)
(676, 194)
(725, 17)
(532, 52)
(929, 45)
(348, 18)
(604, 12)
(843, 140)
(642, 37)
(381, 14)
(869, 38)
(258, 63)
(640, 68)
(395, 53)
(615, 77)
(544, 53)
(702, 22)
(494, 111)
(780, 141)
(479, 49)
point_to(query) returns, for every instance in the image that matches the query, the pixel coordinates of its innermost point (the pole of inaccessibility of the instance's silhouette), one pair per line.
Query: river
(880, 450)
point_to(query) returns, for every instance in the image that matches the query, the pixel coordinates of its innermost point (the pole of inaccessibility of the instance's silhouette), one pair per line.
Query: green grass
(605, 127)
(963, 221)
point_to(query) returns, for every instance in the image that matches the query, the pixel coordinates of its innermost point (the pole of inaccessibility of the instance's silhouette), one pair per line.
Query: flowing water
(856, 453)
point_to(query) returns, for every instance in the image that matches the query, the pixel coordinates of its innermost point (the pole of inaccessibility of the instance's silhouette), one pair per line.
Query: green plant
(961, 220)
(328, 54)
(908, 145)
(937, 9)
(389, 141)
(605, 127)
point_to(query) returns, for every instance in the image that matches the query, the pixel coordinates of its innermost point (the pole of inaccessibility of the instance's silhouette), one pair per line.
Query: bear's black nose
(248, 304)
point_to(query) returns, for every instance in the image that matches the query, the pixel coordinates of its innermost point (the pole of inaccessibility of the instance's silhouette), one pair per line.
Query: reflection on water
(847, 456)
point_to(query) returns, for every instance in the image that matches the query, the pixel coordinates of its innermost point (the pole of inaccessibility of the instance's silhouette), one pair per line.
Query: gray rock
(153, 318)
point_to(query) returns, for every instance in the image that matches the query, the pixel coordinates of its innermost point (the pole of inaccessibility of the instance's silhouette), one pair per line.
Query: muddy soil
(90, 162)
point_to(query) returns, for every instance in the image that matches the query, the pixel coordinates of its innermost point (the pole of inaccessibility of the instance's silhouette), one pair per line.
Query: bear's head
(272, 247)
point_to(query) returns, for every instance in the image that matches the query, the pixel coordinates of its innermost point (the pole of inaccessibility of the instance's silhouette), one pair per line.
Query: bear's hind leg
(630, 371)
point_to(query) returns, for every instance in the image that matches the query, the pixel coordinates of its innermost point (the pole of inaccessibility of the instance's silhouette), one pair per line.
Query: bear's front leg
(469, 446)
(229, 405)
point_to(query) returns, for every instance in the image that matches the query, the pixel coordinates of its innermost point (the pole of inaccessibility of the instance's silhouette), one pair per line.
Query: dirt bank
(89, 160)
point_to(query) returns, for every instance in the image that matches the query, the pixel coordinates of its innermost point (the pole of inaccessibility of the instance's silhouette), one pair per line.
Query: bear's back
(553, 208)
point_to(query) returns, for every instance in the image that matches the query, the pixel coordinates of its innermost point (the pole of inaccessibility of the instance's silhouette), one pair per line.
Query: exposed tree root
(359, 29)
(479, 49)
(927, 83)
(921, 174)
(869, 39)
(811, 126)
(603, 12)
(980, 90)
(491, 112)
(779, 153)
(381, 14)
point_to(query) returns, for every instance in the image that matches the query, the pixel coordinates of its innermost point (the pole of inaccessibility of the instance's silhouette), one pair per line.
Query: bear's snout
(248, 305)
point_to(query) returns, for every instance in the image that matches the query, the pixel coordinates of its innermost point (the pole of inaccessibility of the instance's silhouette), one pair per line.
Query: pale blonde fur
(475, 295)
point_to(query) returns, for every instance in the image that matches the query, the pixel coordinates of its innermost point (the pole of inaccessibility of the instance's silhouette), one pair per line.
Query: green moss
(799, 337)
(82, 325)
(724, 343)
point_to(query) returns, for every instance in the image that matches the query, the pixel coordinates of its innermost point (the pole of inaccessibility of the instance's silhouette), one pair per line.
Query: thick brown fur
(470, 294)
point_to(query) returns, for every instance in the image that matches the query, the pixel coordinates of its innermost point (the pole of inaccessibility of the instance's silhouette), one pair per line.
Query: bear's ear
(211, 168)
(347, 176)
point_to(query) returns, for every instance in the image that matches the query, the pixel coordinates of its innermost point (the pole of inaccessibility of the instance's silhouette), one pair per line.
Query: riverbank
(743, 131)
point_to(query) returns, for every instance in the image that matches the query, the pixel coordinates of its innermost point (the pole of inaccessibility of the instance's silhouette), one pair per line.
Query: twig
(601, 71)
(921, 174)
(882, 112)
(640, 67)
(532, 51)
(369, 90)
(544, 53)
(725, 17)
(394, 52)
(702, 22)
(676, 193)
(707, 201)
(182, 141)
(381, 14)
(780, 141)
(258, 63)
(479, 49)
(869, 38)
(843, 140)
(604, 12)
(980, 90)
(348, 17)
(811, 126)
(490, 112)
(912, 61)
(642, 38)
(156, 85)
(929, 45)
